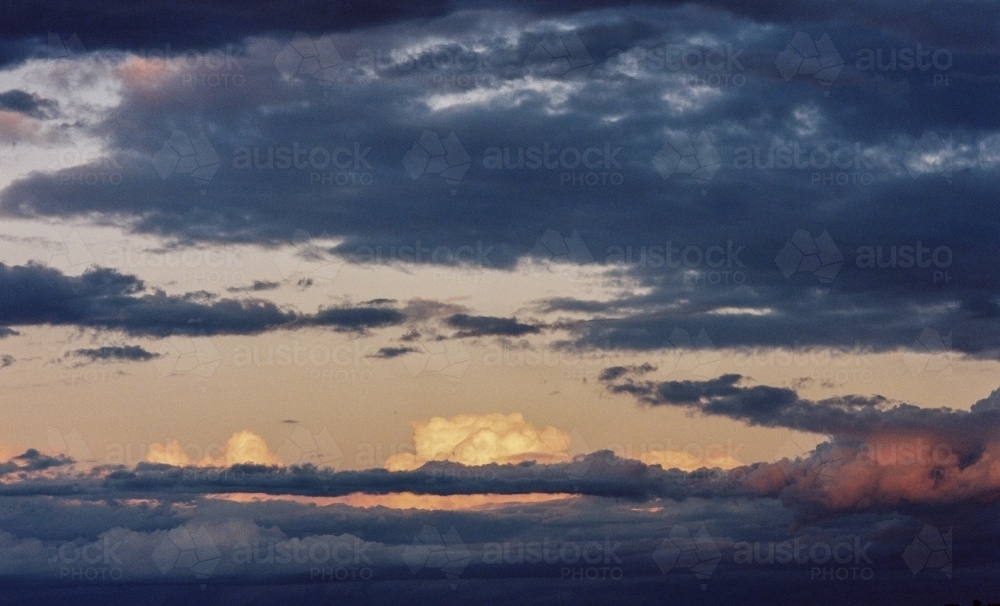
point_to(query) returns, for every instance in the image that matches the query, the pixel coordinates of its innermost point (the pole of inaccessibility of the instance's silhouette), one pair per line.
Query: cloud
(688, 461)
(243, 447)
(32, 460)
(481, 439)
(7, 332)
(28, 104)
(134, 353)
(355, 318)
(480, 326)
(644, 238)
(104, 298)
(6, 360)
(393, 352)
(880, 455)
(257, 286)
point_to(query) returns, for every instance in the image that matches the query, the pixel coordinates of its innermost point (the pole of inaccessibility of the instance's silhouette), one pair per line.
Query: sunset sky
(662, 292)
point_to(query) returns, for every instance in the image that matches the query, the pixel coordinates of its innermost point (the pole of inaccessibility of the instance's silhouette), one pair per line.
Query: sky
(533, 302)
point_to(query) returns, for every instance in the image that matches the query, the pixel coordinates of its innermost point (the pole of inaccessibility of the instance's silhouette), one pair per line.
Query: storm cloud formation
(675, 177)
(833, 156)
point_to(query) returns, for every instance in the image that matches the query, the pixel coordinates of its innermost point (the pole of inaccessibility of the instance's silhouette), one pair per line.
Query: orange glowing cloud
(482, 439)
(242, 447)
(688, 461)
(141, 73)
(16, 127)
(406, 500)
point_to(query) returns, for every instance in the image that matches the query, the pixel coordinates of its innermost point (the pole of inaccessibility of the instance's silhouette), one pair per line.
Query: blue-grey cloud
(132, 353)
(106, 299)
(30, 105)
(479, 326)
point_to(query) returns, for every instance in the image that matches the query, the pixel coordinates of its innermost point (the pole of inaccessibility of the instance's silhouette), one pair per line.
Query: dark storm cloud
(481, 326)
(28, 104)
(190, 24)
(393, 352)
(133, 353)
(667, 232)
(104, 298)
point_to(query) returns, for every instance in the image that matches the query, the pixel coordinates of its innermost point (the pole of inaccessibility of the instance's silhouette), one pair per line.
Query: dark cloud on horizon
(107, 299)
